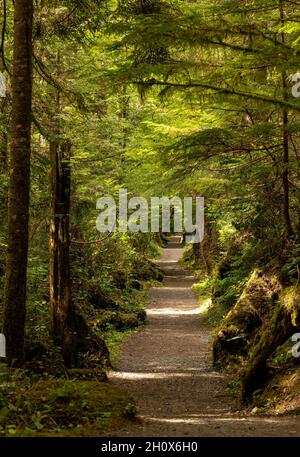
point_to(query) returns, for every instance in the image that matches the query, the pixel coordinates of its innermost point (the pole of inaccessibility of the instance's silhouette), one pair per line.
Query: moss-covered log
(242, 322)
(285, 321)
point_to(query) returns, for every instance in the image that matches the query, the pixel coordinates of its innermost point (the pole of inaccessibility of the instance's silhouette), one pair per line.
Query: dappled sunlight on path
(167, 369)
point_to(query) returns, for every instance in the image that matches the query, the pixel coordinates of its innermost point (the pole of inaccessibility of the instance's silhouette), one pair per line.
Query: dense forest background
(163, 98)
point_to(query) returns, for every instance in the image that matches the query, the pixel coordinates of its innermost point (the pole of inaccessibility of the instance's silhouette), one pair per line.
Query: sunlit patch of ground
(161, 375)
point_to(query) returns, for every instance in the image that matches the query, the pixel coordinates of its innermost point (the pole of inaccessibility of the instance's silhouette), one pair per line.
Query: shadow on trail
(167, 369)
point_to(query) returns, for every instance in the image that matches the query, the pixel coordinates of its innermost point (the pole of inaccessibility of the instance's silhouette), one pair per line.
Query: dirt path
(167, 369)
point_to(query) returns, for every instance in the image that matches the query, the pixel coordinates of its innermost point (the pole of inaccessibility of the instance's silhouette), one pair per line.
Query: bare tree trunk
(19, 187)
(62, 316)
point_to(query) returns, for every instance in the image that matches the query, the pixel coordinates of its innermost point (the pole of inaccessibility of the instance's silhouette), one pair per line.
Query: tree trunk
(19, 187)
(3, 136)
(285, 172)
(285, 176)
(62, 316)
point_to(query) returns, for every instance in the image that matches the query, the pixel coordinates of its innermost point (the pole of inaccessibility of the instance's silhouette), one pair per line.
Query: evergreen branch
(221, 90)
(232, 46)
(48, 136)
(238, 166)
(100, 240)
(41, 69)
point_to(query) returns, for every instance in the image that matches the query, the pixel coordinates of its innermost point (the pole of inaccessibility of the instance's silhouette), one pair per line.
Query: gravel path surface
(166, 367)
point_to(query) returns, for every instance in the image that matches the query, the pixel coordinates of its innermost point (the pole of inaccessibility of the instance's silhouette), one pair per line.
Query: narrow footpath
(167, 369)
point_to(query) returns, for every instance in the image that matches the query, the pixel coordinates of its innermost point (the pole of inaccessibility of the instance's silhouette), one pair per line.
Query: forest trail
(167, 369)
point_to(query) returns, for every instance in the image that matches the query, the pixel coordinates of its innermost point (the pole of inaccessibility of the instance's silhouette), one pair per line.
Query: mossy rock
(126, 321)
(99, 299)
(121, 320)
(142, 316)
(135, 284)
